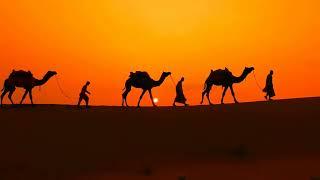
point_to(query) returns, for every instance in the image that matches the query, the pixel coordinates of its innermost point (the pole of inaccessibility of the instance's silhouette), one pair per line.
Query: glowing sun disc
(155, 100)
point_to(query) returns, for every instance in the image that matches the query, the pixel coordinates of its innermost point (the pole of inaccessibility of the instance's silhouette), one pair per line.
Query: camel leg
(203, 93)
(151, 97)
(5, 91)
(224, 93)
(30, 96)
(208, 94)
(208, 97)
(123, 98)
(10, 95)
(24, 96)
(125, 94)
(234, 97)
(144, 91)
(126, 102)
(122, 102)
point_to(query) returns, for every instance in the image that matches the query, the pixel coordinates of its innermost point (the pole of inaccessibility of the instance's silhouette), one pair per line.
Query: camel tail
(4, 85)
(205, 86)
(2, 88)
(124, 88)
(125, 85)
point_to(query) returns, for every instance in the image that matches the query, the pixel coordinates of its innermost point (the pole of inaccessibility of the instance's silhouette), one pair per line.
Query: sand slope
(259, 140)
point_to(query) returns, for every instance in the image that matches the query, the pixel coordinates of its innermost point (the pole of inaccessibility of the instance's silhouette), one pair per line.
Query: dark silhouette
(83, 95)
(145, 82)
(23, 79)
(180, 98)
(269, 90)
(20, 74)
(225, 79)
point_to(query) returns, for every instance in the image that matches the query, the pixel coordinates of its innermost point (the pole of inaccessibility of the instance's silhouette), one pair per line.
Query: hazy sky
(103, 40)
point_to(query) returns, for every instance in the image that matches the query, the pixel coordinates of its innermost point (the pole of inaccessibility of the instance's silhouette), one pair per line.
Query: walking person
(180, 98)
(269, 90)
(84, 95)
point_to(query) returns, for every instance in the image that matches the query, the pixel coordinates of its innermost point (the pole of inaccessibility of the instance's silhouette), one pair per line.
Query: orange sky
(103, 40)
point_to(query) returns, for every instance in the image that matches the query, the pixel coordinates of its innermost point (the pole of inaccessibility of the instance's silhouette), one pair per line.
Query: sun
(155, 100)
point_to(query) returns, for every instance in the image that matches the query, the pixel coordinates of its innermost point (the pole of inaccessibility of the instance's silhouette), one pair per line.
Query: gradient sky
(103, 40)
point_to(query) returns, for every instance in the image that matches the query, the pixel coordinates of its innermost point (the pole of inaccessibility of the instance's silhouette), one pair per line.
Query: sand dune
(258, 140)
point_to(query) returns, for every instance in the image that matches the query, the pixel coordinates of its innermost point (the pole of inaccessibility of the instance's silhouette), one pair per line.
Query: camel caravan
(141, 80)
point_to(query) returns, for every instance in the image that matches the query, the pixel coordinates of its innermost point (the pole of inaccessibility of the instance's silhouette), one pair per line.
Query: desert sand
(276, 140)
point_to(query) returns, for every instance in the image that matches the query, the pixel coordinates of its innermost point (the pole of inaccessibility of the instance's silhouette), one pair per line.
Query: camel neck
(241, 77)
(160, 81)
(43, 80)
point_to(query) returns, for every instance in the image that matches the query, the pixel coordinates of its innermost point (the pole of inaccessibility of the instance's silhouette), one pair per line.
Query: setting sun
(155, 100)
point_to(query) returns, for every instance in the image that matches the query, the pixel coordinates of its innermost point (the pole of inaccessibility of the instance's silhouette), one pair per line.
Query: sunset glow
(103, 40)
(155, 100)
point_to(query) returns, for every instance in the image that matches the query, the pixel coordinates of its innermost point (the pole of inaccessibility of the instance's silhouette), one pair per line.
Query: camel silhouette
(23, 79)
(225, 79)
(143, 81)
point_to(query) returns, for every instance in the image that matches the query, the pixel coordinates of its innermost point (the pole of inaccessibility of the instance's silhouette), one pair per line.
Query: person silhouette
(180, 98)
(83, 94)
(269, 90)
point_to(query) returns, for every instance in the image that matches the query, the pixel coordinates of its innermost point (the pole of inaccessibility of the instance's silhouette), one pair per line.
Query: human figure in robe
(269, 90)
(83, 95)
(180, 98)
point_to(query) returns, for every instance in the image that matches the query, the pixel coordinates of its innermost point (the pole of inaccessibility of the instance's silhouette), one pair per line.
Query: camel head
(48, 75)
(166, 74)
(51, 73)
(248, 70)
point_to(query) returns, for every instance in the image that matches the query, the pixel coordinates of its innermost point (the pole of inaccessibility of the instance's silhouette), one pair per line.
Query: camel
(225, 79)
(143, 81)
(24, 80)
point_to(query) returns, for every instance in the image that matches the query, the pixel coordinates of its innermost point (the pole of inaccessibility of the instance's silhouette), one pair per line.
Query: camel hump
(21, 74)
(220, 75)
(140, 74)
(217, 72)
(222, 72)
